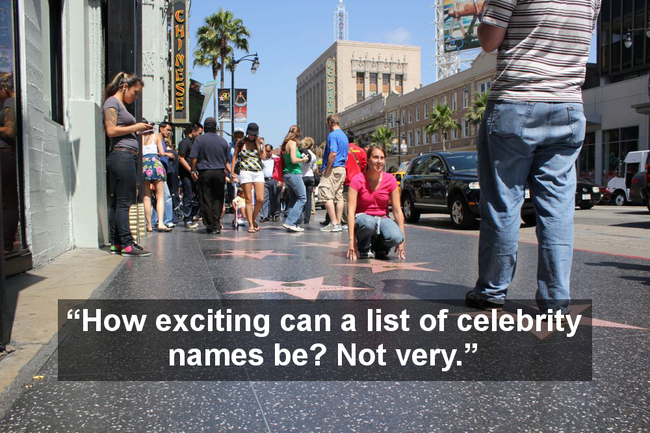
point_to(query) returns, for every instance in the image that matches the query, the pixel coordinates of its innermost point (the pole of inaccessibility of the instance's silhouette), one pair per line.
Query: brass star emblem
(379, 266)
(303, 289)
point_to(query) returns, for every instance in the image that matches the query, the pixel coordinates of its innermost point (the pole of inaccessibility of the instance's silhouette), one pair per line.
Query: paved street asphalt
(209, 267)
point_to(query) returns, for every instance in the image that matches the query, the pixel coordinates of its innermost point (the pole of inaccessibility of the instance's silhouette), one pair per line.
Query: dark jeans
(123, 167)
(211, 195)
(190, 198)
(309, 188)
(10, 203)
(271, 205)
(172, 183)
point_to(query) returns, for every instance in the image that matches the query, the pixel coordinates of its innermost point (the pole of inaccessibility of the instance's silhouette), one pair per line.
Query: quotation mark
(74, 314)
(473, 347)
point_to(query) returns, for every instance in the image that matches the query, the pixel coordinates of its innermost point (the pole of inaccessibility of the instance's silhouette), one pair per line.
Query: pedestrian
(293, 179)
(210, 162)
(532, 131)
(172, 167)
(122, 163)
(270, 186)
(331, 183)
(278, 175)
(153, 175)
(188, 185)
(356, 163)
(231, 186)
(168, 215)
(309, 169)
(371, 232)
(249, 152)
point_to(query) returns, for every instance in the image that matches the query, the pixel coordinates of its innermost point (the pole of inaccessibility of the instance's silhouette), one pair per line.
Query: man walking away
(331, 184)
(187, 183)
(532, 131)
(270, 187)
(209, 161)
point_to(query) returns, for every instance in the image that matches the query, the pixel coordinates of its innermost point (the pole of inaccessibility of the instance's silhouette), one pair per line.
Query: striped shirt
(545, 50)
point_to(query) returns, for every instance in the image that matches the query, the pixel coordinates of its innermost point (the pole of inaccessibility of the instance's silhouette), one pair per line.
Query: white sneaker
(328, 228)
(337, 228)
(293, 228)
(344, 226)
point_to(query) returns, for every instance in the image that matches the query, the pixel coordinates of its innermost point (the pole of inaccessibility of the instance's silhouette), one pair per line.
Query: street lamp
(627, 40)
(233, 65)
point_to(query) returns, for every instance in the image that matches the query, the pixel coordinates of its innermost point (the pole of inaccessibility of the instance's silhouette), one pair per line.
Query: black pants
(172, 183)
(123, 167)
(211, 194)
(190, 198)
(309, 189)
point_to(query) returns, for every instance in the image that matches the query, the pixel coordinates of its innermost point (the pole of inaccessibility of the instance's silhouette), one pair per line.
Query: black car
(587, 194)
(447, 182)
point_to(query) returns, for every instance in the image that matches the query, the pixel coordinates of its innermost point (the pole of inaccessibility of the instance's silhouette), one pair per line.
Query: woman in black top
(122, 128)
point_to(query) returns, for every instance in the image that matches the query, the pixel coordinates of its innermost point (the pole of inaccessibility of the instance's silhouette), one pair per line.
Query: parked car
(645, 192)
(446, 182)
(587, 194)
(605, 195)
(636, 187)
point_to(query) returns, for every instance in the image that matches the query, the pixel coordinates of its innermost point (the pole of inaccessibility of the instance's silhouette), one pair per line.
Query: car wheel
(586, 206)
(461, 216)
(618, 199)
(411, 215)
(530, 219)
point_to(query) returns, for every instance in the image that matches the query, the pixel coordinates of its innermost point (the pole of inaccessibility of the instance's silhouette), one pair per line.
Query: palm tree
(216, 40)
(475, 113)
(442, 120)
(383, 136)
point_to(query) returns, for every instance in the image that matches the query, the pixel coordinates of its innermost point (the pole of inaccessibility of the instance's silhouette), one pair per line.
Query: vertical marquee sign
(180, 91)
(330, 86)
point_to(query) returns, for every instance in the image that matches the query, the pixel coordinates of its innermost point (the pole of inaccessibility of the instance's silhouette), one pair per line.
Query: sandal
(251, 230)
(163, 230)
(149, 229)
(256, 226)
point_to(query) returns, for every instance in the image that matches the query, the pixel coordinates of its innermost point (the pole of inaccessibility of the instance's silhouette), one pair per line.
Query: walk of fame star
(575, 311)
(260, 254)
(303, 289)
(332, 245)
(379, 266)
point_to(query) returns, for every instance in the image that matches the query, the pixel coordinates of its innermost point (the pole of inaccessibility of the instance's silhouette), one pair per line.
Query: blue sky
(289, 35)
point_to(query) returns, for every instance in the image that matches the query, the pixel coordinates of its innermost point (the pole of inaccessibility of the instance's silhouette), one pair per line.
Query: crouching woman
(372, 232)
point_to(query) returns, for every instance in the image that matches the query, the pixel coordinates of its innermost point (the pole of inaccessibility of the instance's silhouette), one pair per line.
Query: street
(440, 265)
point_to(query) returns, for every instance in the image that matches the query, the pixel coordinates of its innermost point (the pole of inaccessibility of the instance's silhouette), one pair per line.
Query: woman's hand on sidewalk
(352, 250)
(401, 252)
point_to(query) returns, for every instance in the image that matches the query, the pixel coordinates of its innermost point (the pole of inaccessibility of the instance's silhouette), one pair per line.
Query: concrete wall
(155, 60)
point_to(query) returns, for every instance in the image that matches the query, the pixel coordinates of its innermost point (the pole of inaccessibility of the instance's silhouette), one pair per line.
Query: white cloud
(398, 36)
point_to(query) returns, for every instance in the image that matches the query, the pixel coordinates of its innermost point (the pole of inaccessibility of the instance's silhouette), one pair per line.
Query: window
(617, 143)
(444, 100)
(410, 118)
(360, 84)
(587, 158)
(409, 141)
(435, 137)
(426, 137)
(454, 101)
(373, 84)
(465, 128)
(51, 19)
(454, 134)
(392, 119)
(484, 86)
(426, 110)
(399, 84)
(417, 113)
(465, 98)
(385, 83)
(402, 118)
(417, 137)
(434, 103)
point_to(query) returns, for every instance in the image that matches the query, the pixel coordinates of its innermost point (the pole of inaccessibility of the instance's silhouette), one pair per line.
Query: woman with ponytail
(293, 178)
(122, 162)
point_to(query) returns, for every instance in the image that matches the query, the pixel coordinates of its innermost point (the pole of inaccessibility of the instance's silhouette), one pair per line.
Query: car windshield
(462, 162)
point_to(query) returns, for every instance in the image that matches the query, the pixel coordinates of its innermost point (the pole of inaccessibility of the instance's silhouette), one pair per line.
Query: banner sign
(180, 95)
(223, 102)
(330, 87)
(461, 24)
(241, 105)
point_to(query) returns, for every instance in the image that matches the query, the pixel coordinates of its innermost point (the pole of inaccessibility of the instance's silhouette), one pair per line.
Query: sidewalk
(270, 265)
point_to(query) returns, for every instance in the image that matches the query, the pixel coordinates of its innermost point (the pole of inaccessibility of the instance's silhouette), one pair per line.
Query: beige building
(408, 114)
(348, 73)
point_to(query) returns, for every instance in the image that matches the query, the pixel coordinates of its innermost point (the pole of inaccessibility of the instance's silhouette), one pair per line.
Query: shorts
(152, 168)
(246, 176)
(331, 185)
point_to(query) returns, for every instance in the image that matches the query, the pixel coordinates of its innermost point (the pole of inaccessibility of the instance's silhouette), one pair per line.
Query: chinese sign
(180, 91)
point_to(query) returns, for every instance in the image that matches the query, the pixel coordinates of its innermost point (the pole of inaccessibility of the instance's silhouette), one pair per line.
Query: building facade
(57, 57)
(348, 73)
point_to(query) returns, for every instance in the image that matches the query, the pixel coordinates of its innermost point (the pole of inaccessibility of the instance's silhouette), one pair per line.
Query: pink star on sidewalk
(379, 266)
(303, 289)
(261, 254)
(332, 245)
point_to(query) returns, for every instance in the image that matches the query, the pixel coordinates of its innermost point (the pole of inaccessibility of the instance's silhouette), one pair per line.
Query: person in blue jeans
(531, 132)
(293, 179)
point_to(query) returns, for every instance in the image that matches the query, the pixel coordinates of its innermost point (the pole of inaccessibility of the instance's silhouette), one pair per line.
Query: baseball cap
(253, 129)
(210, 121)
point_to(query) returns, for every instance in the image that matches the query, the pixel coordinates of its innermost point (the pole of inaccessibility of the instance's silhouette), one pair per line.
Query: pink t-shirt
(373, 203)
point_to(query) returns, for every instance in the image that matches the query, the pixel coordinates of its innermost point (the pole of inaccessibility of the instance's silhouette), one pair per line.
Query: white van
(620, 186)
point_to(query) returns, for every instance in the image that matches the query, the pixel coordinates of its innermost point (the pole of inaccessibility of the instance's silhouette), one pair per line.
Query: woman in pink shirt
(372, 233)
